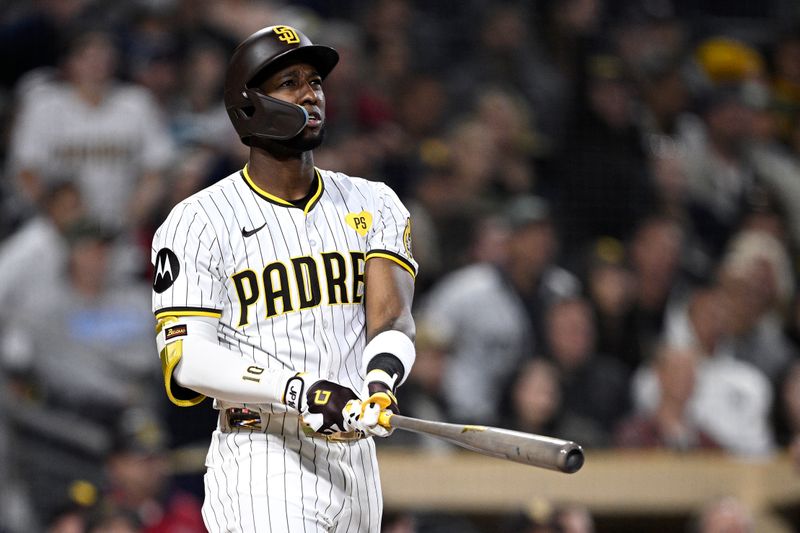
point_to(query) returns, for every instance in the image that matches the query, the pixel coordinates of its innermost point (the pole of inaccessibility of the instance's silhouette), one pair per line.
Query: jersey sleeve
(390, 235)
(186, 258)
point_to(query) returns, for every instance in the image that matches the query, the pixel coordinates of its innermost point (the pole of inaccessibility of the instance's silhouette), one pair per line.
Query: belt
(235, 419)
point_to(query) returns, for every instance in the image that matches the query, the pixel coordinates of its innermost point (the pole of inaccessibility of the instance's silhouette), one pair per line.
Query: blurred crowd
(606, 207)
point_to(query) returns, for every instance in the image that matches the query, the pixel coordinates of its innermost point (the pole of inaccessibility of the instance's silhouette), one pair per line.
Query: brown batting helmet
(253, 113)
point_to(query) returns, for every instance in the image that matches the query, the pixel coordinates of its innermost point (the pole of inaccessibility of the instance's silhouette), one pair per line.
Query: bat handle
(385, 419)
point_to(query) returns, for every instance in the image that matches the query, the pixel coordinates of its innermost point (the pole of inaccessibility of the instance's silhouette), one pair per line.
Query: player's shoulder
(354, 185)
(345, 181)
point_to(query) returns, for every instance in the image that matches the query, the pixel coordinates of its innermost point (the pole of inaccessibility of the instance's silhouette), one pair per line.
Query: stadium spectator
(655, 255)
(594, 386)
(719, 173)
(36, 253)
(542, 516)
(31, 36)
(724, 515)
(611, 290)
(197, 116)
(501, 328)
(665, 98)
(106, 134)
(73, 376)
(604, 183)
(576, 518)
(139, 478)
(732, 401)
(73, 358)
(510, 125)
(536, 405)
(506, 53)
(757, 279)
(151, 53)
(670, 425)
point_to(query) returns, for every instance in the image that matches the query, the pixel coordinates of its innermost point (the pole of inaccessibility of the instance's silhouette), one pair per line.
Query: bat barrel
(537, 450)
(527, 448)
(572, 459)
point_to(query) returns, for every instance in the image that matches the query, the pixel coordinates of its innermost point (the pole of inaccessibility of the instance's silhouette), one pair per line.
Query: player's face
(301, 84)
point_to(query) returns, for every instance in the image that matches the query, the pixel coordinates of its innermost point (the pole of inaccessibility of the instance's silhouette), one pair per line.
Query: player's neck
(288, 179)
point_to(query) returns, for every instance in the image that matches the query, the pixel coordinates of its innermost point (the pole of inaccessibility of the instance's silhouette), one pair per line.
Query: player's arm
(195, 365)
(389, 353)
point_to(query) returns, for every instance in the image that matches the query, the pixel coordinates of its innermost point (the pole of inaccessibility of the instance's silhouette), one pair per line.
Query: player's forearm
(402, 322)
(192, 357)
(217, 372)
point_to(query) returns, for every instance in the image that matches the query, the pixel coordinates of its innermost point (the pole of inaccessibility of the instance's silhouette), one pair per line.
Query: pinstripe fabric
(287, 284)
(267, 482)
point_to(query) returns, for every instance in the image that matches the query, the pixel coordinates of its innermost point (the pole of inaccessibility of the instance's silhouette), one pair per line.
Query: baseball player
(283, 292)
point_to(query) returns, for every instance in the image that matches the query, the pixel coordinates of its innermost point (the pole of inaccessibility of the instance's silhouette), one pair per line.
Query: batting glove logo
(293, 396)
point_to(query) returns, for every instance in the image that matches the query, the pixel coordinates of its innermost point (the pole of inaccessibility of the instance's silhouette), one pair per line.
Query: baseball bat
(527, 448)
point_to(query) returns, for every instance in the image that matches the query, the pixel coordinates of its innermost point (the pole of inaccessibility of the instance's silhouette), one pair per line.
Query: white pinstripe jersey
(286, 281)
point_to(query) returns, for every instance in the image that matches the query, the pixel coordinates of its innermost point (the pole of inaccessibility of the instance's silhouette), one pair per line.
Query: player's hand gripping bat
(527, 448)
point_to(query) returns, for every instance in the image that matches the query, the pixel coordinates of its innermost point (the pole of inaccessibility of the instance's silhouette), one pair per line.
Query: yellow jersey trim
(315, 197)
(394, 258)
(280, 201)
(187, 311)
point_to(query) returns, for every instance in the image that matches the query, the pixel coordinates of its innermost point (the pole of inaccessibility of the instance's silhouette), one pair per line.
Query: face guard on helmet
(253, 113)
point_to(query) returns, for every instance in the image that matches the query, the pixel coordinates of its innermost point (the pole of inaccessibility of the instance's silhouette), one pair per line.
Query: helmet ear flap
(269, 118)
(245, 113)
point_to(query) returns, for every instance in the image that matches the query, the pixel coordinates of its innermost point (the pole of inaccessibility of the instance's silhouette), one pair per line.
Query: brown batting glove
(324, 406)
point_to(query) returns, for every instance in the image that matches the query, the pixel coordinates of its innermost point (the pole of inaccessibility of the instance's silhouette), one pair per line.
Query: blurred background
(606, 206)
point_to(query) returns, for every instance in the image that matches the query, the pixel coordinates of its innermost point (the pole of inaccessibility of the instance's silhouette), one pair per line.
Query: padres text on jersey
(285, 280)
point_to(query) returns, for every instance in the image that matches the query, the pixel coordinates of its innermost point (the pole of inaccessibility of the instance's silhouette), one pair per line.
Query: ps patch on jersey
(361, 222)
(167, 268)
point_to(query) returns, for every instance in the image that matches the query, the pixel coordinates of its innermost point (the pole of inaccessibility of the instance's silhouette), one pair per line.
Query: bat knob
(573, 460)
(384, 419)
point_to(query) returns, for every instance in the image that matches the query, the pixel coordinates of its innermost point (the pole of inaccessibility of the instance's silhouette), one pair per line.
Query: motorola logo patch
(167, 269)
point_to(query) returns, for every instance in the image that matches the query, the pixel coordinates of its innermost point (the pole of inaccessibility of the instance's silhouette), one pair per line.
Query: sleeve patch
(407, 238)
(167, 267)
(175, 331)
